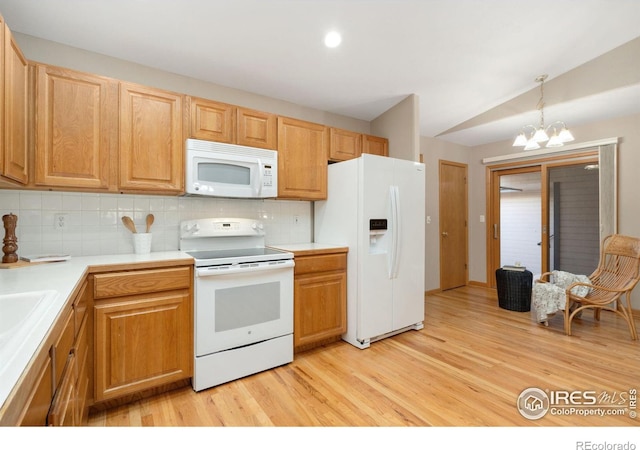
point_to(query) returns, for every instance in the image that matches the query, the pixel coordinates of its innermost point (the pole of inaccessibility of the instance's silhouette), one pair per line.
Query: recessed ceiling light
(332, 39)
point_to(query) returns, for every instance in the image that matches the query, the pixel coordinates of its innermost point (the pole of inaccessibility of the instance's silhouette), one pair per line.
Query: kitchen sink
(19, 313)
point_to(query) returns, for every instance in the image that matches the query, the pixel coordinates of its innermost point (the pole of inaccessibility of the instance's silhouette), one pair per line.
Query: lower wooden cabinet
(63, 408)
(143, 330)
(39, 402)
(320, 298)
(126, 330)
(60, 394)
(71, 366)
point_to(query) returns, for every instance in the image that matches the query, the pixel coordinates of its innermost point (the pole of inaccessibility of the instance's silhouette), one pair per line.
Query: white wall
(400, 124)
(433, 150)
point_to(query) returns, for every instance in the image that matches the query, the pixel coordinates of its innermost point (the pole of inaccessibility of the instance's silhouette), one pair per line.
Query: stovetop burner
(220, 241)
(237, 256)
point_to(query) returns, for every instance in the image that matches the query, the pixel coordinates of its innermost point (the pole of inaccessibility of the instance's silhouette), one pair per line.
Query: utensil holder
(141, 243)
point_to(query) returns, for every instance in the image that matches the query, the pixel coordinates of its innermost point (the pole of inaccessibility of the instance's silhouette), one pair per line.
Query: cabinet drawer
(40, 402)
(80, 307)
(62, 347)
(62, 411)
(320, 263)
(141, 281)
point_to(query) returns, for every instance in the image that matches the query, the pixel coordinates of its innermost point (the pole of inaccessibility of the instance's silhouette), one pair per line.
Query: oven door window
(214, 172)
(234, 310)
(240, 307)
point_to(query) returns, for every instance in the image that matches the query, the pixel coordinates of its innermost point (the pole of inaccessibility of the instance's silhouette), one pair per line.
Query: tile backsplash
(93, 224)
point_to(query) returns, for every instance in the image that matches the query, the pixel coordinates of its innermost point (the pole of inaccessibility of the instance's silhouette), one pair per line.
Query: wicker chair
(617, 274)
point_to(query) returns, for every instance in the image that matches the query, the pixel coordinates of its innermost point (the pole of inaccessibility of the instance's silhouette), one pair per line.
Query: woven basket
(514, 289)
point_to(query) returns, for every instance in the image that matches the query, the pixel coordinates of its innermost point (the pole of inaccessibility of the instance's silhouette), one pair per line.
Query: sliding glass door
(551, 214)
(574, 217)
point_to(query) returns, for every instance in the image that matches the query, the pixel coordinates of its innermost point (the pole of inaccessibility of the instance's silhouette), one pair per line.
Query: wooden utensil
(150, 220)
(128, 222)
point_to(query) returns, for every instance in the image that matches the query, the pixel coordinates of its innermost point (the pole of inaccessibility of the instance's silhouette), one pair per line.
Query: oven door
(242, 304)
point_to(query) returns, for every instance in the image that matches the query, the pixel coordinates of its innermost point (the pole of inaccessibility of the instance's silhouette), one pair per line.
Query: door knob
(445, 234)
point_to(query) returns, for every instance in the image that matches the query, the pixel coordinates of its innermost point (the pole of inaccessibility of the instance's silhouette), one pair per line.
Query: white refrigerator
(375, 206)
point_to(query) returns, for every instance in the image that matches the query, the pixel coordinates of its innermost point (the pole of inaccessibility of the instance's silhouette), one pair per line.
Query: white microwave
(227, 170)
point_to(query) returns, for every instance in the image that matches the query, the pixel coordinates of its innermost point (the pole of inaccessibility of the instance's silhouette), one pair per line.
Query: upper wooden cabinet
(211, 121)
(151, 140)
(303, 150)
(375, 145)
(256, 129)
(221, 122)
(77, 123)
(14, 118)
(345, 145)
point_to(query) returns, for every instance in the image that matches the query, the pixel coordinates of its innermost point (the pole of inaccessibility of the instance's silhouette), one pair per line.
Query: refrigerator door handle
(394, 195)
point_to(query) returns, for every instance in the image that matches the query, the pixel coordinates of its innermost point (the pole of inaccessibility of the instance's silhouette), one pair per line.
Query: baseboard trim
(478, 284)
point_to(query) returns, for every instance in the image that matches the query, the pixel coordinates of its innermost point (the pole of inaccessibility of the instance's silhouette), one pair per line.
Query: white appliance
(228, 170)
(243, 298)
(375, 205)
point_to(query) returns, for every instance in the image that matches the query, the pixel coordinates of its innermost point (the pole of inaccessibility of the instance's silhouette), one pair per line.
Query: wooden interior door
(453, 225)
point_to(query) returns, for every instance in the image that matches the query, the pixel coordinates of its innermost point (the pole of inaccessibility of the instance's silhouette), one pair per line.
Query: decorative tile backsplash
(93, 225)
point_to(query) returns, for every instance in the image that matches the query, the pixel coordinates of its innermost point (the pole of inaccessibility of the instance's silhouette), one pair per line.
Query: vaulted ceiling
(471, 63)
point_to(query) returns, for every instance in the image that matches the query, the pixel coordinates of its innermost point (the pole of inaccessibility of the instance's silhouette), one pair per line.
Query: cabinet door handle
(445, 234)
(495, 231)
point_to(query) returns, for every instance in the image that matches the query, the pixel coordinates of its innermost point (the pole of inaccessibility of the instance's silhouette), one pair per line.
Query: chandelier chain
(541, 79)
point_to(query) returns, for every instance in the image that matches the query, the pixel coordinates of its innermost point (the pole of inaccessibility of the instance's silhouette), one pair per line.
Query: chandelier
(531, 137)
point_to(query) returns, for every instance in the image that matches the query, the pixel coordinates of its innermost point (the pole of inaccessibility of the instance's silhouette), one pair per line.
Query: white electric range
(243, 300)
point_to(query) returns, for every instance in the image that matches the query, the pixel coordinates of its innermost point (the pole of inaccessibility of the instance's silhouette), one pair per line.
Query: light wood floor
(465, 368)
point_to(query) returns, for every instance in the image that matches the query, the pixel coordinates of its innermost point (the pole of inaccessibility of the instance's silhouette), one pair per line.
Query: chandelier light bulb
(555, 140)
(566, 136)
(532, 145)
(541, 135)
(520, 141)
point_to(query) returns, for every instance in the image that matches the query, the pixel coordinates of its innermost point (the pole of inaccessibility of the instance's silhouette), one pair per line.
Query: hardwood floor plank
(467, 367)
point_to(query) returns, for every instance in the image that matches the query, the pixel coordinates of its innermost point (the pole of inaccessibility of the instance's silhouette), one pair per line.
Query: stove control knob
(260, 226)
(196, 186)
(254, 226)
(191, 227)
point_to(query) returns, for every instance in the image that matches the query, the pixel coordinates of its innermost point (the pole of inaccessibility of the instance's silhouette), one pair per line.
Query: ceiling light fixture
(332, 39)
(541, 134)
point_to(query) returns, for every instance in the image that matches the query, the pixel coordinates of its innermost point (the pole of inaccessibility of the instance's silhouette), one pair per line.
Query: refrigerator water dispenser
(377, 236)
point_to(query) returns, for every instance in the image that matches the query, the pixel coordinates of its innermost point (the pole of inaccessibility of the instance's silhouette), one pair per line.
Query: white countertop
(62, 277)
(308, 246)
